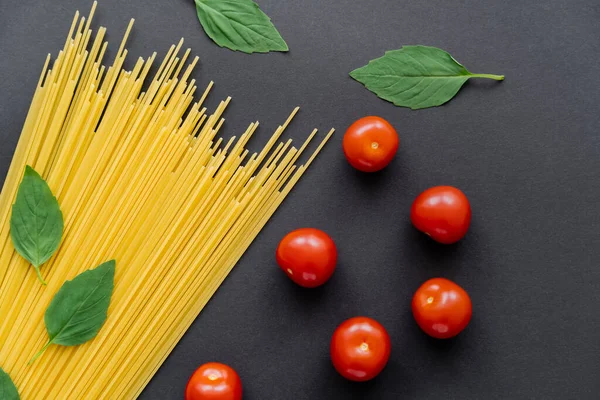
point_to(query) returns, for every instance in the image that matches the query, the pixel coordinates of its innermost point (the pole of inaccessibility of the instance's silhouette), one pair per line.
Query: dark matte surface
(526, 152)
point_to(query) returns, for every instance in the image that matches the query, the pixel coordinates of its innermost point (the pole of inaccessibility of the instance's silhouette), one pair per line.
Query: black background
(525, 151)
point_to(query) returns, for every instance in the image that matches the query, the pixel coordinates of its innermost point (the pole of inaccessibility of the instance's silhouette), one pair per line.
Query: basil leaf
(416, 76)
(8, 390)
(36, 223)
(239, 25)
(78, 310)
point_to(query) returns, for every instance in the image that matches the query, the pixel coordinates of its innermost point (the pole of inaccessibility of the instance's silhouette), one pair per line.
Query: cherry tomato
(308, 256)
(441, 308)
(370, 144)
(360, 349)
(442, 212)
(214, 381)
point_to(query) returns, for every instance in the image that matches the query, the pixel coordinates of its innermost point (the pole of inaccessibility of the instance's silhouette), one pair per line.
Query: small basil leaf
(8, 390)
(416, 76)
(78, 310)
(36, 222)
(239, 25)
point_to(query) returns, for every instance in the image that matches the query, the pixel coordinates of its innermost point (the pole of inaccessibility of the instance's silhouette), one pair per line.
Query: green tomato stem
(39, 353)
(488, 76)
(39, 275)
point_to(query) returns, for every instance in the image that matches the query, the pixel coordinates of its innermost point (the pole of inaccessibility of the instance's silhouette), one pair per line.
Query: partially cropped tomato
(370, 144)
(214, 381)
(360, 349)
(441, 308)
(442, 212)
(308, 256)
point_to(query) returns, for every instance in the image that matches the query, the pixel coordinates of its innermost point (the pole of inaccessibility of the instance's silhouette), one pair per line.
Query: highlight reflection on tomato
(360, 349)
(441, 308)
(308, 256)
(214, 381)
(370, 144)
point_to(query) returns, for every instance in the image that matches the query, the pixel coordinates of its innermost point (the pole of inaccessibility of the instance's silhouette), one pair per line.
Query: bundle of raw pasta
(142, 179)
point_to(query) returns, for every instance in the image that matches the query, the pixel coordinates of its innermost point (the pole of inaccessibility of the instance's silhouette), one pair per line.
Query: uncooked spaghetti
(141, 177)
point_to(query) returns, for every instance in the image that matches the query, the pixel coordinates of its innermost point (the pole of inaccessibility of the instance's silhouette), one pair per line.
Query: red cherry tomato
(441, 308)
(370, 144)
(442, 212)
(214, 381)
(308, 256)
(360, 349)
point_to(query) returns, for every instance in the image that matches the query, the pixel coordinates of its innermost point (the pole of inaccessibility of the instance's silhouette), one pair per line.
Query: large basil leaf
(8, 390)
(36, 223)
(239, 25)
(78, 310)
(416, 76)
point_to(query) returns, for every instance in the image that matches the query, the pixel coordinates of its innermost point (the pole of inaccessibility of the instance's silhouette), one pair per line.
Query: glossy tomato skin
(442, 212)
(370, 144)
(441, 308)
(308, 256)
(214, 381)
(360, 349)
